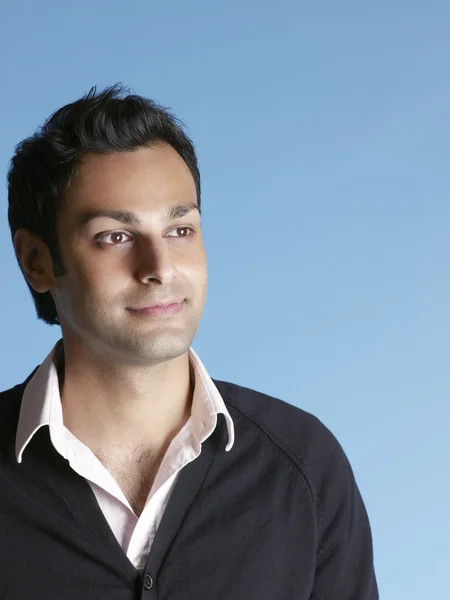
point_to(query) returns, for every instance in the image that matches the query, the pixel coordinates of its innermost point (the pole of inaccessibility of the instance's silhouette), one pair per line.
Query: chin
(155, 350)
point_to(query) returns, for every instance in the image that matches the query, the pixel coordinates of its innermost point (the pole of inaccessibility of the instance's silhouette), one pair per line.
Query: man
(126, 471)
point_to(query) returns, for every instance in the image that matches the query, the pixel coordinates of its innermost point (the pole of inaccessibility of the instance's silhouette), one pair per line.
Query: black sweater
(279, 517)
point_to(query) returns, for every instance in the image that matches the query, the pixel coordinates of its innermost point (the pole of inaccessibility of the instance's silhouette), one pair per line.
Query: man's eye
(184, 232)
(115, 238)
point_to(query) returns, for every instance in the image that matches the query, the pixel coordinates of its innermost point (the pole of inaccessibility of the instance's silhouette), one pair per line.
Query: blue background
(323, 136)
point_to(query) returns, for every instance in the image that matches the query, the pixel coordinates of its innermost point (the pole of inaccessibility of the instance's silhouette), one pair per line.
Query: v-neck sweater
(279, 517)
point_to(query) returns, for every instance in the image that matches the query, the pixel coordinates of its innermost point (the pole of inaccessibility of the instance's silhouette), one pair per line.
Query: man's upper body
(133, 526)
(115, 482)
(265, 507)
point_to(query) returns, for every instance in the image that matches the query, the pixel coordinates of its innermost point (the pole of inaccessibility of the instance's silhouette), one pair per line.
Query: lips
(160, 304)
(166, 308)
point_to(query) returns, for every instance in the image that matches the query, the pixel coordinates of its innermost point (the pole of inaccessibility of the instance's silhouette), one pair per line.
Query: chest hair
(134, 472)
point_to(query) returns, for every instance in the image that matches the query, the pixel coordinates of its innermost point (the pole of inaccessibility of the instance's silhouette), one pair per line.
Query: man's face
(131, 258)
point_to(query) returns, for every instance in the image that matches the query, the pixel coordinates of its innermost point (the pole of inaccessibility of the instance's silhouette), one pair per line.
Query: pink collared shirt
(41, 405)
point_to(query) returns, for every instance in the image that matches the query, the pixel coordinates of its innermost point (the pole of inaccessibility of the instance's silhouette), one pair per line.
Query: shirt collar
(41, 404)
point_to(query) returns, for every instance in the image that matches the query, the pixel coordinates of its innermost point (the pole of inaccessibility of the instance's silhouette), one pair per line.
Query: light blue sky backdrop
(323, 136)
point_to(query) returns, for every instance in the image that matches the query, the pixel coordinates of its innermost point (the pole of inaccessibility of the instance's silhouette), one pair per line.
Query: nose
(155, 262)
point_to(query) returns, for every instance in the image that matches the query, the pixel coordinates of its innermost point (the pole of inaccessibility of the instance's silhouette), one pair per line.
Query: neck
(108, 405)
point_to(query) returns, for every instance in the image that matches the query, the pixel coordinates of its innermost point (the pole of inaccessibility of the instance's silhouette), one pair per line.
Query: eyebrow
(130, 218)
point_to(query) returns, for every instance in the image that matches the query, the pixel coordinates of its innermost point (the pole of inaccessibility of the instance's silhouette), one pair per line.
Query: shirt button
(148, 582)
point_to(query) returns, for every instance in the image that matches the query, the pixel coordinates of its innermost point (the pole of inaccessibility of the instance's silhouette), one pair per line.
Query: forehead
(143, 179)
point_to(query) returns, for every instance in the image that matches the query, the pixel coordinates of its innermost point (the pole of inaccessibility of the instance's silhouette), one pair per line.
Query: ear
(34, 258)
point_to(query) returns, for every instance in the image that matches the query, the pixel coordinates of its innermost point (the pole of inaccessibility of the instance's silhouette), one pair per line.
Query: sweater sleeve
(344, 561)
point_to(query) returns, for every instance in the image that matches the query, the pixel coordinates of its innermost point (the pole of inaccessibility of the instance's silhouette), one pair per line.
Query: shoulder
(8, 396)
(10, 399)
(298, 434)
(291, 427)
(10, 403)
(344, 541)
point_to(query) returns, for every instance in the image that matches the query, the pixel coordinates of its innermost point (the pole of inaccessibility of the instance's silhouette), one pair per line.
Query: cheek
(91, 283)
(197, 271)
(202, 285)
